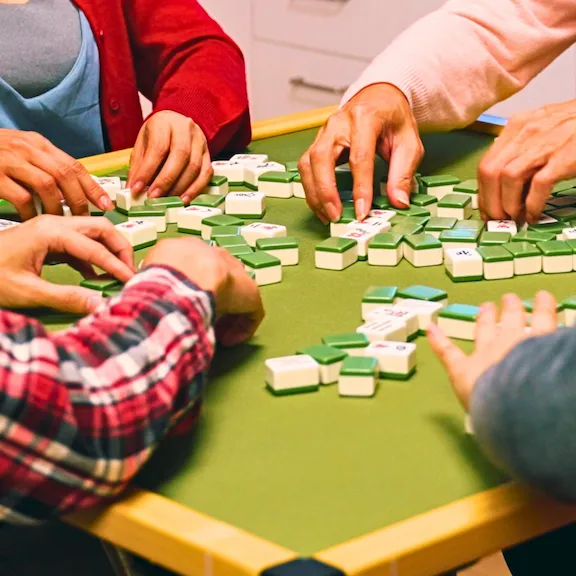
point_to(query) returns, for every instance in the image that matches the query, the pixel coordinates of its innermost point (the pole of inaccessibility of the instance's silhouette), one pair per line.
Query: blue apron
(69, 114)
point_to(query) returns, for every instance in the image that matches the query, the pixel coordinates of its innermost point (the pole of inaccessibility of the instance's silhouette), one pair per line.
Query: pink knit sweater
(457, 62)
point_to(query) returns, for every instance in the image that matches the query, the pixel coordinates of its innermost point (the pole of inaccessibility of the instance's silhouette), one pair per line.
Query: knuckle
(486, 170)
(20, 199)
(543, 180)
(78, 204)
(20, 144)
(360, 110)
(359, 156)
(304, 163)
(182, 153)
(64, 171)
(159, 148)
(194, 166)
(318, 152)
(35, 139)
(166, 182)
(511, 173)
(77, 168)
(46, 183)
(324, 190)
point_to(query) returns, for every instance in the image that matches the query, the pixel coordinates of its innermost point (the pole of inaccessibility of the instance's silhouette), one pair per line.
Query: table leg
(119, 560)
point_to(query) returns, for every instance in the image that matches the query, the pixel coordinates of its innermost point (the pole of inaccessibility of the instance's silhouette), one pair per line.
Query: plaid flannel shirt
(82, 409)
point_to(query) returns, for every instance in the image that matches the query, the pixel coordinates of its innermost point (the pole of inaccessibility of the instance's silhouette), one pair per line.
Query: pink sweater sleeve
(457, 62)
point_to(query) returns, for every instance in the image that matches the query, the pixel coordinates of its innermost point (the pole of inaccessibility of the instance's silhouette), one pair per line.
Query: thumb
(73, 299)
(405, 157)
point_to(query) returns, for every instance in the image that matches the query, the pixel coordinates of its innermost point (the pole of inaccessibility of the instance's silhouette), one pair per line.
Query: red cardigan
(179, 58)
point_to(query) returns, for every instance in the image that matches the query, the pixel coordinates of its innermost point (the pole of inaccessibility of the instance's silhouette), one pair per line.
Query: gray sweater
(39, 44)
(524, 413)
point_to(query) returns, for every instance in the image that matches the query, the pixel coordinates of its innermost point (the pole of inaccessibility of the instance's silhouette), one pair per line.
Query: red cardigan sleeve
(186, 63)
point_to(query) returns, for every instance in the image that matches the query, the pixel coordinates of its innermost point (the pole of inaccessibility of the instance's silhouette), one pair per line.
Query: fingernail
(333, 212)
(94, 302)
(402, 197)
(105, 202)
(360, 209)
(155, 193)
(137, 188)
(186, 200)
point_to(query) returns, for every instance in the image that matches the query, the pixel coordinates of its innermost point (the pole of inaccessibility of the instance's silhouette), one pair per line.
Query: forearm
(457, 62)
(523, 412)
(186, 63)
(85, 407)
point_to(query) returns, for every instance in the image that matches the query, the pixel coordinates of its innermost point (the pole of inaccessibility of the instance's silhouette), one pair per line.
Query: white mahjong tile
(5, 224)
(234, 171)
(125, 201)
(394, 358)
(190, 218)
(545, 219)
(464, 262)
(254, 171)
(398, 312)
(245, 203)
(382, 214)
(372, 223)
(110, 184)
(138, 232)
(257, 230)
(427, 312)
(393, 329)
(569, 234)
(336, 260)
(362, 237)
(250, 158)
(66, 209)
(298, 190)
(288, 372)
(502, 226)
(357, 386)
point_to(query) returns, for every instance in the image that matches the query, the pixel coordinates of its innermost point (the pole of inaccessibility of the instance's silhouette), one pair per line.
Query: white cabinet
(555, 84)
(354, 28)
(286, 79)
(235, 18)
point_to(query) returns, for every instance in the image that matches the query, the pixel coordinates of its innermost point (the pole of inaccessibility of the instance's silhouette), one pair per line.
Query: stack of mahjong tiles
(258, 173)
(382, 348)
(441, 226)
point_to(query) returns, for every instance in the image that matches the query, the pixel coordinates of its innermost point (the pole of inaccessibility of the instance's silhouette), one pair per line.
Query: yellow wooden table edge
(190, 543)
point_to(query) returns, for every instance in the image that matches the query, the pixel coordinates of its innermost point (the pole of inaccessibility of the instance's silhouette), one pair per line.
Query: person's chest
(39, 43)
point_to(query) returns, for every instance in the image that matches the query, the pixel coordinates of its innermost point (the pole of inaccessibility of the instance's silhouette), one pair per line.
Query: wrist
(381, 91)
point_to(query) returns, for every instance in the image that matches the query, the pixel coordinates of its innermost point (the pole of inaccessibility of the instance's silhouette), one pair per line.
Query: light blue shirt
(69, 114)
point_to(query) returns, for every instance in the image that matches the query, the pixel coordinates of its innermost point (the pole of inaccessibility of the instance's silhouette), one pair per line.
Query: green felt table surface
(310, 471)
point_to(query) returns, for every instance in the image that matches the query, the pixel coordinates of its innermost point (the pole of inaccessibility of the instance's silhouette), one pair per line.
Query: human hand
(30, 163)
(534, 151)
(377, 119)
(494, 340)
(171, 157)
(239, 308)
(84, 242)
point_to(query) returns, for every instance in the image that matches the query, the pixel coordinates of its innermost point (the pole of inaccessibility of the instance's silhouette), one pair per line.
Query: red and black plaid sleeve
(82, 409)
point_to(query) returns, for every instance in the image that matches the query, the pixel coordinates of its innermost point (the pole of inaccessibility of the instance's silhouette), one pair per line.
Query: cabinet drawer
(286, 80)
(356, 28)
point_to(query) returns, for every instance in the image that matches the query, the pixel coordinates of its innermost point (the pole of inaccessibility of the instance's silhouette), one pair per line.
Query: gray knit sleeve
(524, 413)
